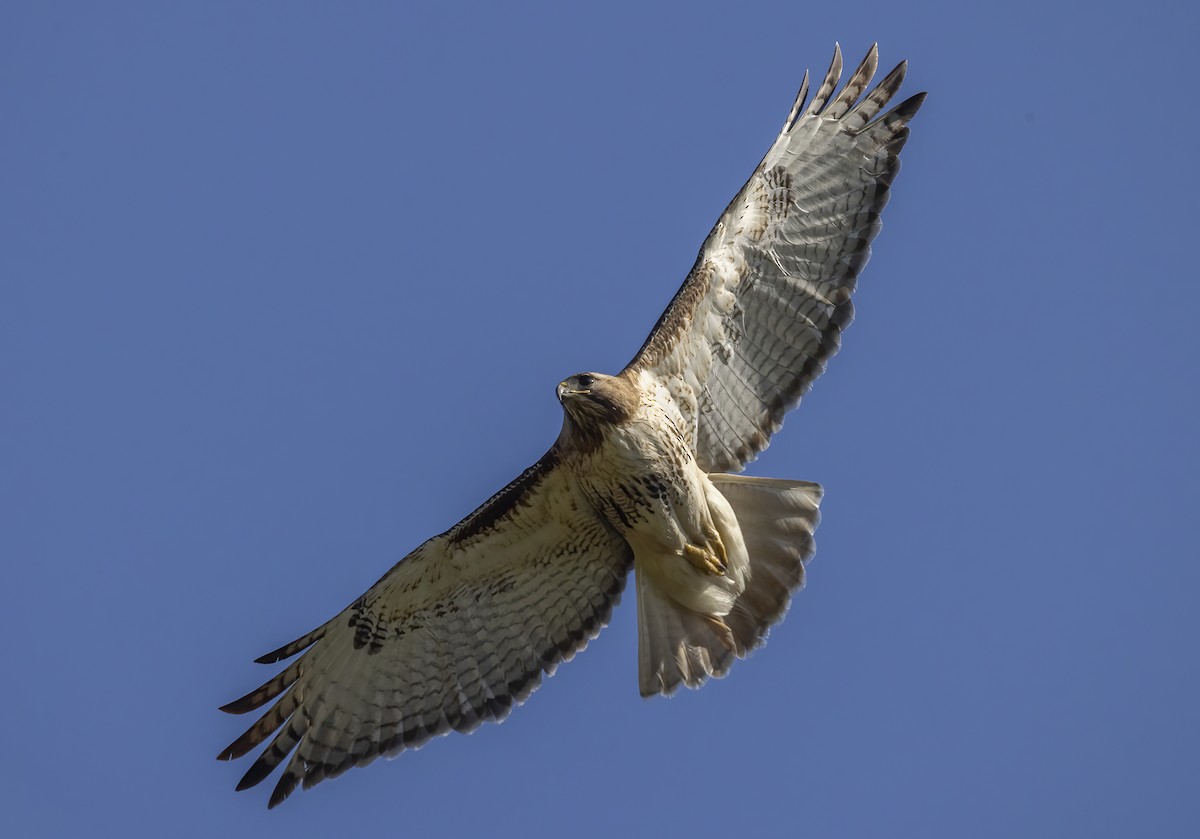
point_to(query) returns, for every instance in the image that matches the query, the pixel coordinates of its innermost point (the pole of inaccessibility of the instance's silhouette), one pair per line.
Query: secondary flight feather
(641, 476)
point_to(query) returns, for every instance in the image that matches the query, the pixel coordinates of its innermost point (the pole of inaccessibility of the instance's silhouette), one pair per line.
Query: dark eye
(586, 380)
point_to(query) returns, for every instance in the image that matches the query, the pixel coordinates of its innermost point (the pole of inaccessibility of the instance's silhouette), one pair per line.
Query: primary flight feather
(465, 626)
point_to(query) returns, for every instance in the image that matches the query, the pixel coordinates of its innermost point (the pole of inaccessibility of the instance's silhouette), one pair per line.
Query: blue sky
(286, 289)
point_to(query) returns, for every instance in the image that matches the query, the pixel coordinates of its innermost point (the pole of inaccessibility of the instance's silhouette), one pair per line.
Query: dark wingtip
(243, 744)
(234, 707)
(285, 787)
(255, 774)
(909, 107)
(261, 695)
(292, 648)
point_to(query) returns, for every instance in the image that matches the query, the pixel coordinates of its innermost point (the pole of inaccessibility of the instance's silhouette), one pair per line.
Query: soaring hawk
(465, 626)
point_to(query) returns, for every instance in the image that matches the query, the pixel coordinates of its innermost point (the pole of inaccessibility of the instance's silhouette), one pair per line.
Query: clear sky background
(285, 289)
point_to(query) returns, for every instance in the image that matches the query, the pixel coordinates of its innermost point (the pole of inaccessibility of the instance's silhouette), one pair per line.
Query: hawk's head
(594, 400)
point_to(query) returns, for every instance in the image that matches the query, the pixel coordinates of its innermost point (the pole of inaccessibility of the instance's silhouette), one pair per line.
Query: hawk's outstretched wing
(454, 635)
(764, 306)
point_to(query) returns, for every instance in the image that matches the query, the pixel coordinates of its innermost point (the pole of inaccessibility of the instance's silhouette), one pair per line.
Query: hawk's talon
(718, 546)
(705, 560)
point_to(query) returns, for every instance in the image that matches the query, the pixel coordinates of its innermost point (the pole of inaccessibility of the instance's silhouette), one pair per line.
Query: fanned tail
(679, 646)
(778, 519)
(676, 645)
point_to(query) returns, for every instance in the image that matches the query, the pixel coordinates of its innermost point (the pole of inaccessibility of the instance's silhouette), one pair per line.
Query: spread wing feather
(452, 636)
(762, 310)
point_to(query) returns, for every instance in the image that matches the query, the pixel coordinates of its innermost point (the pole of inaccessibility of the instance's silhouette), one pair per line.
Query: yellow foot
(705, 560)
(718, 547)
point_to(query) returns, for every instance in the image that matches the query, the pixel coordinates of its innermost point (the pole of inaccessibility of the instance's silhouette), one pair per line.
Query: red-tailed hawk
(464, 627)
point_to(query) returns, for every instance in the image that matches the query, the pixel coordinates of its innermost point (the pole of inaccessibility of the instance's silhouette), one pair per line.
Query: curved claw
(705, 560)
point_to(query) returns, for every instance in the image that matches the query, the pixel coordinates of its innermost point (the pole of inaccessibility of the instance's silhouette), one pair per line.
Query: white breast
(645, 480)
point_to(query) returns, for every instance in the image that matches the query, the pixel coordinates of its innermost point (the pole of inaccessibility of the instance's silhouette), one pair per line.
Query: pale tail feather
(778, 519)
(678, 646)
